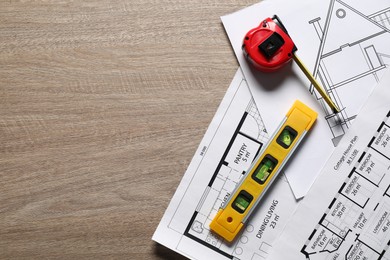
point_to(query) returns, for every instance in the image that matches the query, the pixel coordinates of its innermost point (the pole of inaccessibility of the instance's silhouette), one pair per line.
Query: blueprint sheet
(346, 46)
(234, 138)
(346, 214)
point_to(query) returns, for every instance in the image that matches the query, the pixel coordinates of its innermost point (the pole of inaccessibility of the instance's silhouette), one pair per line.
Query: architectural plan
(233, 139)
(368, 47)
(343, 43)
(346, 214)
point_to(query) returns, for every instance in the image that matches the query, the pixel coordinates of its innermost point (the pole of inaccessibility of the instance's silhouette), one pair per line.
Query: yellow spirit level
(263, 171)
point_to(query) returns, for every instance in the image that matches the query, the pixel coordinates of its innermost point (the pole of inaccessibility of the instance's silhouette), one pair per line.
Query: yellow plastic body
(229, 221)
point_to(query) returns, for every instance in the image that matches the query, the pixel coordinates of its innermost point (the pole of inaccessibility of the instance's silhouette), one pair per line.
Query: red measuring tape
(269, 47)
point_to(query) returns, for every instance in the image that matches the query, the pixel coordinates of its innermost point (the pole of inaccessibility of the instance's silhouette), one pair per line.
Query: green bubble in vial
(241, 203)
(286, 137)
(264, 170)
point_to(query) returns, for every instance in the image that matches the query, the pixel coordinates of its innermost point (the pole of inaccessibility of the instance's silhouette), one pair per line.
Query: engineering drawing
(360, 56)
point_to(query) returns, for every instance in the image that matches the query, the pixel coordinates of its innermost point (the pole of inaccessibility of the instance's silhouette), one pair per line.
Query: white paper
(231, 142)
(350, 61)
(346, 214)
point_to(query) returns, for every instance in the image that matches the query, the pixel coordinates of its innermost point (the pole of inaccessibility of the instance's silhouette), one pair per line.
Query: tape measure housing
(268, 47)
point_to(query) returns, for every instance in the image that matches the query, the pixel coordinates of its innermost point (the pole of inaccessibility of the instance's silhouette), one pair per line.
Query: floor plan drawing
(353, 39)
(344, 43)
(227, 174)
(346, 214)
(358, 218)
(236, 159)
(234, 138)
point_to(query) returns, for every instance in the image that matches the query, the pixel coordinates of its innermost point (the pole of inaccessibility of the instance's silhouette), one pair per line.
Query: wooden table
(103, 104)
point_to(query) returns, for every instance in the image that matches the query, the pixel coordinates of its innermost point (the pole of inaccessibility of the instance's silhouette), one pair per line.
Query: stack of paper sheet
(234, 137)
(346, 214)
(345, 44)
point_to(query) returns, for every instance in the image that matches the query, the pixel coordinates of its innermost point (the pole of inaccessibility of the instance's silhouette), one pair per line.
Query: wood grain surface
(103, 104)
